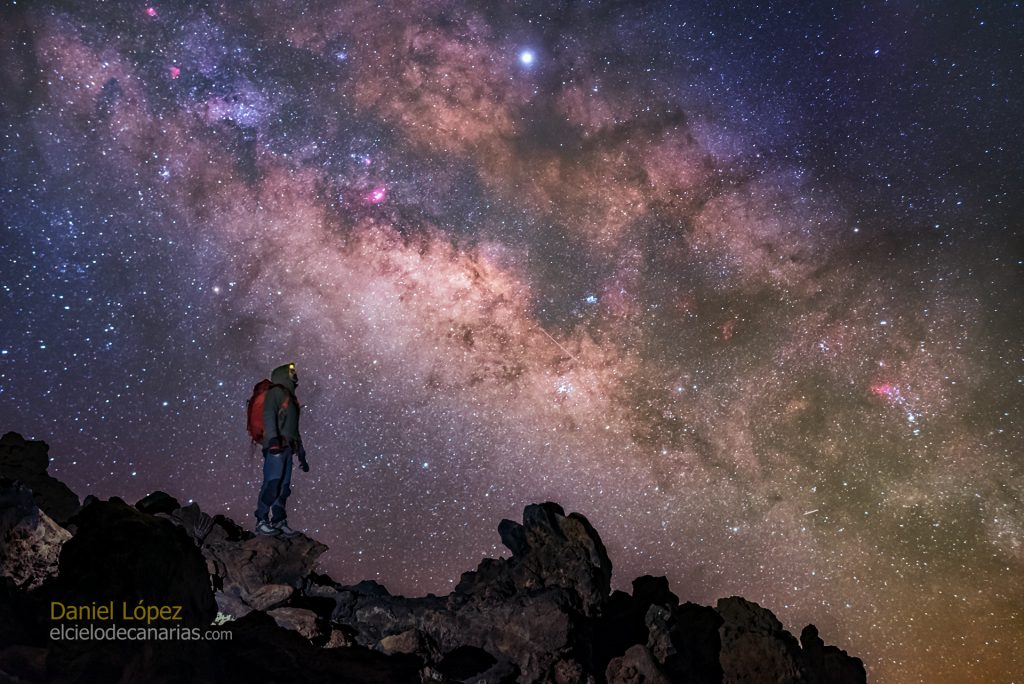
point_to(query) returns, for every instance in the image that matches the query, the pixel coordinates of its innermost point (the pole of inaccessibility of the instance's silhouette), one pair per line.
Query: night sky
(737, 282)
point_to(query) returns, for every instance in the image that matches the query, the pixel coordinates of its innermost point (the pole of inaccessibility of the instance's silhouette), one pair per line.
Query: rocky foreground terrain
(546, 614)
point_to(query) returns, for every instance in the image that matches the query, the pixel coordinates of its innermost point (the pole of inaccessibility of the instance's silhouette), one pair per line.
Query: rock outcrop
(30, 541)
(756, 648)
(545, 614)
(550, 550)
(122, 555)
(244, 563)
(27, 462)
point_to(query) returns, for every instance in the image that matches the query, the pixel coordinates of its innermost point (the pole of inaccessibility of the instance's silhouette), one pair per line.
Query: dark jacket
(281, 410)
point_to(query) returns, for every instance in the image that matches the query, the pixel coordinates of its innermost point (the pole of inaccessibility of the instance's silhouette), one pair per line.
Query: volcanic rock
(231, 605)
(339, 639)
(250, 563)
(30, 541)
(24, 663)
(270, 596)
(534, 609)
(636, 666)
(157, 502)
(465, 662)
(27, 461)
(262, 651)
(122, 555)
(649, 591)
(300, 620)
(756, 648)
(410, 641)
(685, 641)
(22, 616)
(545, 615)
(196, 524)
(549, 550)
(828, 664)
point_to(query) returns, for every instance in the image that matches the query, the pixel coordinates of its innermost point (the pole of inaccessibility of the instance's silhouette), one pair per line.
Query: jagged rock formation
(545, 614)
(30, 540)
(27, 462)
(533, 613)
(122, 555)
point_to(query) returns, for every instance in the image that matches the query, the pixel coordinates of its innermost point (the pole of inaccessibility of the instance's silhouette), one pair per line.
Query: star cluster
(737, 282)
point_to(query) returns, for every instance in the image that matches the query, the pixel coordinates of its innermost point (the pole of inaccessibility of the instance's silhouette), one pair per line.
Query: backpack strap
(291, 395)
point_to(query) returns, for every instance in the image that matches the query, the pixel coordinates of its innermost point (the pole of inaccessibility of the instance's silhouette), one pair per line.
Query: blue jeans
(277, 481)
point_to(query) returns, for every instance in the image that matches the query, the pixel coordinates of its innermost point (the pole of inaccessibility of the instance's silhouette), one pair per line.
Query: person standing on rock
(281, 442)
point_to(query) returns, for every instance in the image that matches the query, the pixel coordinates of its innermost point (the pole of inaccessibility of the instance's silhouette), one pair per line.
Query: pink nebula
(377, 195)
(151, 11)
(885, 389)
(175, 72)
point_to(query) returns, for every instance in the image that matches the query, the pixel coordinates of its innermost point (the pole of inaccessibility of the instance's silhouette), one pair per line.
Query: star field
(735, 281)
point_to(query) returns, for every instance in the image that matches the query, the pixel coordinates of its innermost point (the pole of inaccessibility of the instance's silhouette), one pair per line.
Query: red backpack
(254, 409)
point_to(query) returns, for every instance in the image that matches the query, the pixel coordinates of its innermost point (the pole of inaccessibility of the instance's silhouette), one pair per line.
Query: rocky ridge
(545, 614)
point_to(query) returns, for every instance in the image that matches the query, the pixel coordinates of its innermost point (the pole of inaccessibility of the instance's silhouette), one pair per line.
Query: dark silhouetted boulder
(122, 555)
(157, 502)
(27, 462)
(196, 524)
(653, 591)
(623, 621)
(620, 626)
(828, 664)
(549, 550)
(23, 664)
(756, 648)
(685, 641)
(23, 618)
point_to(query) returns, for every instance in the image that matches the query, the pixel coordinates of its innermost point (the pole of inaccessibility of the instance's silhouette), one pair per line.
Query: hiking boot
(281, 527)
(266, 529)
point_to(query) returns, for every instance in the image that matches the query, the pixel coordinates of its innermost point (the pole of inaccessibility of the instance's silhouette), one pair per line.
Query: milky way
(737, 283)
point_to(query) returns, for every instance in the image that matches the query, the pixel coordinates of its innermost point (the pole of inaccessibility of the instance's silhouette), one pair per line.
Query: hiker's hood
(280, 377)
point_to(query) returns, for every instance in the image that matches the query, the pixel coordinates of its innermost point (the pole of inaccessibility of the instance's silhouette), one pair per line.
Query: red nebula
(885, 389)
(151, 11)
(175, 72)
(377, 195)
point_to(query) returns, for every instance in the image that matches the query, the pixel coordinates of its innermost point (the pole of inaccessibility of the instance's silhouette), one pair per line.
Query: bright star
(527, 57)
